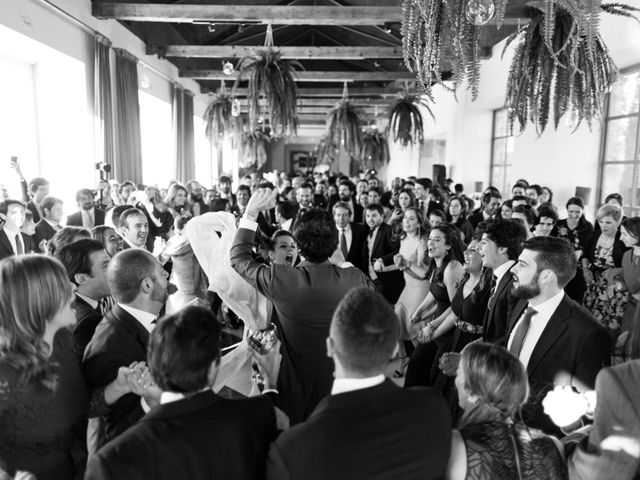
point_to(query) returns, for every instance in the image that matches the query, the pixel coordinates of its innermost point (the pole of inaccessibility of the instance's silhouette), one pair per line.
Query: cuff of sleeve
(270, 390)
(248, 224)
(145, 405)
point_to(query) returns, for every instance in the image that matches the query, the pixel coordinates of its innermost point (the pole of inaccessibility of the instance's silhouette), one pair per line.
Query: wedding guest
(488, 210)
(134, 225)
(491, 441)
(65, 236)
(12, 240)
(457, 216)
(527, 216)
(367, 427)
(630, 236)
(49, 224)
(506, 210)
(304, 298)
(193, 433)
(283, 249)
(88, 216)
(38, 190)
(109, 238)
(176, 200)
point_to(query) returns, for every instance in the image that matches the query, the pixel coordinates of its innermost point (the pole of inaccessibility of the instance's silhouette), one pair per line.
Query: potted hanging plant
(405, 120)
(272, 78)
(560, 65)
(375, 149)
(253, 149)
(345, 124)
(326, 151)
(218, 116)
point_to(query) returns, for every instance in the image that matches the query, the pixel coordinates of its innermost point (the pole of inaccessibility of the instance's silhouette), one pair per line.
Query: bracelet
(431, 326)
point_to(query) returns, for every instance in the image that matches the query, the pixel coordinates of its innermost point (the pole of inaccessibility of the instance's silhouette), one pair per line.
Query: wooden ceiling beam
(260, 14)
(307, 76)
(295, 53)
(335, 93)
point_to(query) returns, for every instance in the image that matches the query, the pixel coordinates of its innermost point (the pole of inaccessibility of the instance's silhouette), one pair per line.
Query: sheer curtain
(102, 106)
(183, 133)
(128, 164)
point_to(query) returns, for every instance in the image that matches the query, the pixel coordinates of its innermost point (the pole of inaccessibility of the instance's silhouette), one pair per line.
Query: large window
(156, 137)
(620, 168)
(501, 152)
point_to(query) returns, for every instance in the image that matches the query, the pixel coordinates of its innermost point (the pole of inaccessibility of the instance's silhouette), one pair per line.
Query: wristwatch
(248, 216)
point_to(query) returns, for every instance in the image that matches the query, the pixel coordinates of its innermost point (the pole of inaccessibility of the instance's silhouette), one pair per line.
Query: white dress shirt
(89, 301)
(286, 225)
(348, 235)
(501, 271)
(344, 385)
(371, 240)
(146, 319)
(11, 235)
(538, 323)
(88, 217)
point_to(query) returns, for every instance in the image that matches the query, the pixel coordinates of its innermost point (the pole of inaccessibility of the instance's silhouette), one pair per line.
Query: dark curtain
(128, 164)
(182, 108)
(103, 108)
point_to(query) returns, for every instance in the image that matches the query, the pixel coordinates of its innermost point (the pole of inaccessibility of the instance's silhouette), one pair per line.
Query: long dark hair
(452, 240)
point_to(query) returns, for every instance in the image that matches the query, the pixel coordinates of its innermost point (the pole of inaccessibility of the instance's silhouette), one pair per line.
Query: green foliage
(253, 149)
(220, 122)
(375, 149)
(270, 77)
(405, 120)
(344, 127)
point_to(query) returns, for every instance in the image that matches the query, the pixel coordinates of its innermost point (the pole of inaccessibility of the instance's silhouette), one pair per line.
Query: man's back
(200, 437)
(381, 432)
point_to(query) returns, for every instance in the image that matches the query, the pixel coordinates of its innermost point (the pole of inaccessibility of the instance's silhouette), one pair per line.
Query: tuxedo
(6, 250)
(304, 298)
(495, 323)
(390, 284)
(381, 432)
(119, 340)
(358, 243)
(75, 220)
(198, 437)
(572, 346)
(87, 319)
(44, 231)
(617, 413)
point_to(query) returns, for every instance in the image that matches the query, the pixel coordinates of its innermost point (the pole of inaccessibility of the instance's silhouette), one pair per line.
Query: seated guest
(88, 216)
(546, 221)
(139, 285)
(86, 263)
(135, 228)
(491, 441)
(12, 240)
(109, 238)
(527, 216)
(66, 236)
(43, 397)
(304, 298)
(193, 433)
(368, 427)
(49, 224)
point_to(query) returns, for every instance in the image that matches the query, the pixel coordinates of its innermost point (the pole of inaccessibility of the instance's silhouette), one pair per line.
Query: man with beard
(88, 216)
(490, 204)
(139, 285)
(346, 193)
(134, 225)
(557, 340)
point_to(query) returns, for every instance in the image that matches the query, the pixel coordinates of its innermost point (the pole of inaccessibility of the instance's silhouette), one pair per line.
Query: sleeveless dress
(413, 249)
(491, 454)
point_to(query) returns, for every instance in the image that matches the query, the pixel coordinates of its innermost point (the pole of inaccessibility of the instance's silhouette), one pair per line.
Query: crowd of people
(401, 332)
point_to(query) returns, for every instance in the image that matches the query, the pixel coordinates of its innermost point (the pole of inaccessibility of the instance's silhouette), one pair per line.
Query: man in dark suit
(352, 236)
(49, 224)
(86, 262)
(12, 240)
(134, 225)
(422, 191)
(139, 285)
(379, 250)
(193, 433)
(500, 247)
(88, 216)
(557, 340)
(304, 298)
(368, 428)
(38, 190)
(347, 194)
(490, 204)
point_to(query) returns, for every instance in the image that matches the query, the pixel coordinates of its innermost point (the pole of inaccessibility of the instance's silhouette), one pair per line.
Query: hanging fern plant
(220, 123)
(326, 151)
(560, 68)
(270, 77)
(345, 124)
(375, 149)
(405, 120)
(253, 152)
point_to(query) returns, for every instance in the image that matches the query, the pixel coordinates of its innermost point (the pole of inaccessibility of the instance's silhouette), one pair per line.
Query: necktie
(343, 244)
(105, 304)
(494, 283)
(19, 247)
(521, 332)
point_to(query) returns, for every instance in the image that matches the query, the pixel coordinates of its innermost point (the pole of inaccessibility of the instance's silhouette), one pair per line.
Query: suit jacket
(617, 413)
(573, 346)
(87, 319)
(75, 220)
(381, 432)
(304, 298)
(34, 210)
(385, 246)
(5, 246)
(358, 243)
(476, 218)
(118, 341)
(496, 318)
(266, 225)
(198, 437)
(44, 231)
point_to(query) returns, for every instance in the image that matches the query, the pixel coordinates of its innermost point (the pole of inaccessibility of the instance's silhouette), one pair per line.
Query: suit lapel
(515, 315)
(5, 242)
(556, 326)
(376, 241)
(131, 324)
